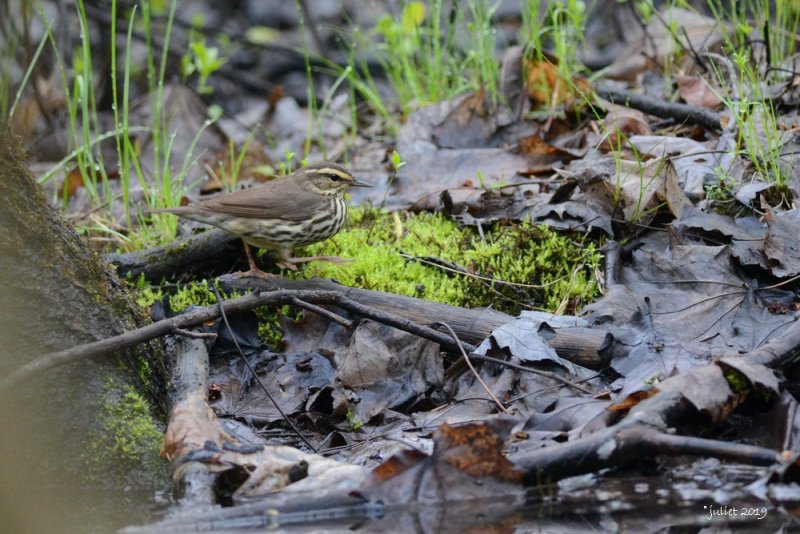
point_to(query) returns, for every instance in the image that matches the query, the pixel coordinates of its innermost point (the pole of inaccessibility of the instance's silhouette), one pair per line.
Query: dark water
(70, 510)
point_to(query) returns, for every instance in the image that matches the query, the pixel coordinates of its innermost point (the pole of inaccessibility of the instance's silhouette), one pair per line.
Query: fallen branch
(157, 329)
(643, 434)
(201, 315)
(206, 254)
(591, 348)
(647, 428)
(190, 413)
(631, 441)
(661, 108)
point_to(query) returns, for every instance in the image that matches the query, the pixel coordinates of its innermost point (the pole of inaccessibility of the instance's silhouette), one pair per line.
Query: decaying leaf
(782, 243)
(383, 367)
(706, 389)
(547, 87)
(697, 92)
(467, 462)
(621, 123)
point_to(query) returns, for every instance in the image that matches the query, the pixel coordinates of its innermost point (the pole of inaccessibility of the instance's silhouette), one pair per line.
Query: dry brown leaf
(542, 155)
(477, 449)
(192, 424)
(547, 88)
(632, 400)
(468, 461)
(621, 123)
(696, 91)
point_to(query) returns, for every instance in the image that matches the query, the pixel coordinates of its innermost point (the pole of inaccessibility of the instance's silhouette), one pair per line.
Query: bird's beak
(358, 183)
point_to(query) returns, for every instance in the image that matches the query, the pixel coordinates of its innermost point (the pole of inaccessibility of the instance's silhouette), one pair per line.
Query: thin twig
(546, 374)
(194, 335)
(472, 368)
(289, 422)
(322, 312)
(660, 108)
(457, 269)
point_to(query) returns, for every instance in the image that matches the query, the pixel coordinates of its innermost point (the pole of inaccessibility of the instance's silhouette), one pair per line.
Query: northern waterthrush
(304, 207)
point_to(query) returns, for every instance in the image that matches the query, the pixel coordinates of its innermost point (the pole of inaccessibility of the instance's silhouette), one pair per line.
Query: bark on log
(189, 412)
(470, 325)
(588, 347)
(205, 254)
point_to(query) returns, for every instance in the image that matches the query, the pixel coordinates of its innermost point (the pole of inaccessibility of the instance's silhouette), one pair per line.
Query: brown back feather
(282, 198)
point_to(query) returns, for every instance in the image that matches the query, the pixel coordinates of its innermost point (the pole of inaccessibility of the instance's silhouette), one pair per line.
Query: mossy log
(216, 251)
(56, 292)
(584, 346)
(201, 255)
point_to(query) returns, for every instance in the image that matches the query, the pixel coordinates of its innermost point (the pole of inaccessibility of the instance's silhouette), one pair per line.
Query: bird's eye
(334, 177)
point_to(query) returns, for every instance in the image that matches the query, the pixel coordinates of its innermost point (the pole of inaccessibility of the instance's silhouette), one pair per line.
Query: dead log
(192, 423)
(204, 254)
(471, 325)
(588, 347)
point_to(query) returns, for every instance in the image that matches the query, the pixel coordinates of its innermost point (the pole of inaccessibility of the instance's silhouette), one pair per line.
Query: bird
(299, 209)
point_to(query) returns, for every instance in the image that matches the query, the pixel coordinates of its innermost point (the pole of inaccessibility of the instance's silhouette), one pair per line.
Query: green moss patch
(520, 266)
(124, 447)
(200, 293)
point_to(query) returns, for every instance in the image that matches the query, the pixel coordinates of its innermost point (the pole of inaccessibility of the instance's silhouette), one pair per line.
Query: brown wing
(279, 199)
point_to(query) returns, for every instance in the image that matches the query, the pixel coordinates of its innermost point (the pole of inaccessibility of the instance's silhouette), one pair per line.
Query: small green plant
(567, 25)
(163, 184)
(397, 163)
(737, 381)
(777, 20)
(180, 297)
(758, 136)
(229, 175)
(286, 166)
(652, 381)
(720, 197)
(560, 28)
(354, 422)
(420, 54)
(645, 11)
(203, 60)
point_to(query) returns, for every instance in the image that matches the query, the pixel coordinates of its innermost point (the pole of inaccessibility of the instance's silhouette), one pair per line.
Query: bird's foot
(287, 264)
(257, 273)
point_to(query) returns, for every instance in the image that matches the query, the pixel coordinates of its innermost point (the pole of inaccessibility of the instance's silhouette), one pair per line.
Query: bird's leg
(250, 260)
(254, 270)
